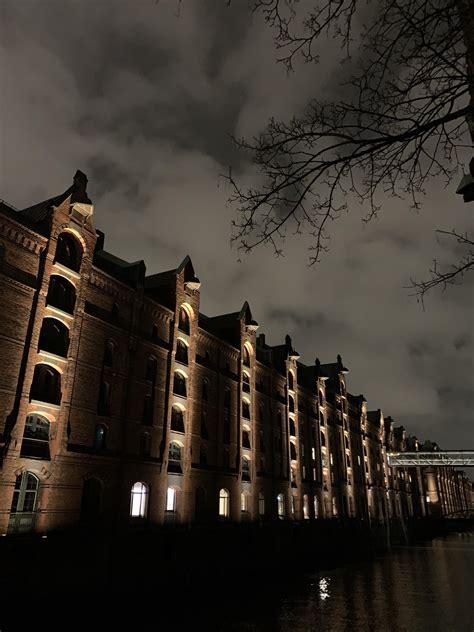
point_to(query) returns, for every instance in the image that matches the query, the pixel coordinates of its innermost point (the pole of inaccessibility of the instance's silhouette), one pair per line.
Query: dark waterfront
(420, 588)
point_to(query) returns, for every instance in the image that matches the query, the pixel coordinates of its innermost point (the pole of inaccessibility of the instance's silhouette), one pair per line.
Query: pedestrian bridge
(445, 458)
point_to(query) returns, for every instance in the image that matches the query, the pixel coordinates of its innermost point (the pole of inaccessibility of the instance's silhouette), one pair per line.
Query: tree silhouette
(407, 111)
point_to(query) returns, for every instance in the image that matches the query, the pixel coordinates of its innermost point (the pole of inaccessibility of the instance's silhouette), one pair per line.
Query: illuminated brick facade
(120, 401)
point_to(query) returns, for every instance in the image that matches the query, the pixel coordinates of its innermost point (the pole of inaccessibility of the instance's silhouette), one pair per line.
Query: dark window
(246, 409)
(321, 419)
(177, 419)
(22, 516)
(109, 350)
(204, 432)
(245, 469)
(154, 332)
(291, 403)
(321, 398)
(292, 451)
(148, 410)
(145, 444)
(261, 414)
(262, 441)
(91, 502)
(246, 357)
(46, 385)
(226, 459)
(292, 427)
(179, 385)
(227, 398)
(54, 337)
(68, 252)
(181, 352)
(323, 439)
(183, 323)
(290, 381)
(245, 439)
(114, 313)
(205, 390)
(103, 404)
(150, 373)
(226, 434)
(61, 294)
(36, 438)
(203, 455)
(246, 383)
(100, 437)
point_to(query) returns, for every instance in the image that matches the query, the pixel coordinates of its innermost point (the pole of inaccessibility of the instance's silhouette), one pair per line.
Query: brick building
(120, 401)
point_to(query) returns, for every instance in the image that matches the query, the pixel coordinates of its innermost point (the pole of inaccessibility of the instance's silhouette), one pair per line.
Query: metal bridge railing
(455, 458)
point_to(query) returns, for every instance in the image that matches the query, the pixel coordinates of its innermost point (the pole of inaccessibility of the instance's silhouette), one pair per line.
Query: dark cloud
(144, 102)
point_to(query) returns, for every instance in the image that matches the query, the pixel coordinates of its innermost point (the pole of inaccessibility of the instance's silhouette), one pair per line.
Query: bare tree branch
(406, 116)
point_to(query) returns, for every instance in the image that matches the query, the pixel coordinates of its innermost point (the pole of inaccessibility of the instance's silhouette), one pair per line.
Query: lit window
(171, 499)
(331, 460)
(306, 507)
(175, 452)
(36, 438)
(281, 506)
(100, 437)
(316, 507)
(224, 503)
(138, 501)
(244, 502)
(313, 454)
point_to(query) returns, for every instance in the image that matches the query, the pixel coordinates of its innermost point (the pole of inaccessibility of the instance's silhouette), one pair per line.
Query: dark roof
(374, 416)
(132, 274)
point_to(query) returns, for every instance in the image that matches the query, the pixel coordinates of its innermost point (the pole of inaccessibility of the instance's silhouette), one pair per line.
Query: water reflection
(414, 590)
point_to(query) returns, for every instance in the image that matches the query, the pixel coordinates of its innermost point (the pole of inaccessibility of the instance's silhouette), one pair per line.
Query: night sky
(143, 101)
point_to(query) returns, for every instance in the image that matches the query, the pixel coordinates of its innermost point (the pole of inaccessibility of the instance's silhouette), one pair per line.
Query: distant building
(120, 401)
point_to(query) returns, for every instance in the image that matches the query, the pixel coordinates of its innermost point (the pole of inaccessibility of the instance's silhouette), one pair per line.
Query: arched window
(145, 444)
(35, 442)
(224, 503)
(179, 384)
(292, 451)
(23, 508)
(205, 390)
(171, 504)
(103, 403)
(261, 504)
(246, 357)
(100, 437)
(181, 352)
(291, 404)
(246, 438)
(46, 385)
(321, 419)
(290, 381)
(292, 427)
(246, 382)
(306, 507)
(139, 500)
(175, 452)
(54, 337)
(147, 418)
(91, 501)
(177, 419)
(203, 455)
(321, 398)
(281, 506)
(200, 502)
(323, 439)
(114, 313)
(68, 252)
(183, 323)
(245, 409)
(61, 294)
(245, 468)
(244, 502)
(150, 373)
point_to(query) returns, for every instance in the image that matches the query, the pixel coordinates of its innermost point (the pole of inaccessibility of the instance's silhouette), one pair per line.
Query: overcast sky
(143, 101)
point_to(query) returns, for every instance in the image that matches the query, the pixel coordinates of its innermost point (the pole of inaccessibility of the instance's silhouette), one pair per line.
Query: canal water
(414, 589)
